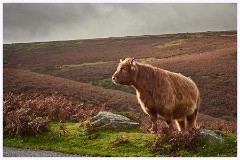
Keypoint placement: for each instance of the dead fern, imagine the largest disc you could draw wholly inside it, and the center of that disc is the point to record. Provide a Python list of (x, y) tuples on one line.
[(31, 113)]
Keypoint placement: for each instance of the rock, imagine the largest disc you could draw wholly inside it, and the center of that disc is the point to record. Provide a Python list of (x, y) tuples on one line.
[(211, 136), (113, 121)]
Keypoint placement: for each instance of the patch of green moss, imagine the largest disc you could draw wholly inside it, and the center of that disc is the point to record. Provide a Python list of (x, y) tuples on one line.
[(75, 142)]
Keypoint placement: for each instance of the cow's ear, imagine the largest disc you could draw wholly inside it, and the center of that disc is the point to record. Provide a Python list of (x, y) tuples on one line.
[(121, 60)]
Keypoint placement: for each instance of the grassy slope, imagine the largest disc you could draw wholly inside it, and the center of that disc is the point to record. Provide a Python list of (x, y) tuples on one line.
[(76, 141)]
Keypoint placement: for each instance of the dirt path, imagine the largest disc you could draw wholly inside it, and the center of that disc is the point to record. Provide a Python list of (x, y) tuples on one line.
[(20, 152)]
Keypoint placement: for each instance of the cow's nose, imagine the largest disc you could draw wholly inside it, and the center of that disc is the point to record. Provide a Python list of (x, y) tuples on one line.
[(113, 77)]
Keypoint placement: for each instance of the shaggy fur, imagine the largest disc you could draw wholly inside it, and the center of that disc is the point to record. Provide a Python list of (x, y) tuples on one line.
[(160, 92)]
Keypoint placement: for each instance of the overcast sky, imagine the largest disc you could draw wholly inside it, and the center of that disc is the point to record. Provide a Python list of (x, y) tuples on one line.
[(47, 22)]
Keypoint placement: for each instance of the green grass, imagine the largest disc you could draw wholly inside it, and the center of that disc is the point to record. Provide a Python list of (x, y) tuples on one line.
[(108, 84), (75, 142), (148, 59), (84, 64), (114, 143), (171, 43)]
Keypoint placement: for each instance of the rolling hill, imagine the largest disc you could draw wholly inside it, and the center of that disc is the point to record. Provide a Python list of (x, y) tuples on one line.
[(209, 58)]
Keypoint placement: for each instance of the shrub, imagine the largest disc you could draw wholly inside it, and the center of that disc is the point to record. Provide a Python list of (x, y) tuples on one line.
[(31, 113), (19, 119), (189, 140)]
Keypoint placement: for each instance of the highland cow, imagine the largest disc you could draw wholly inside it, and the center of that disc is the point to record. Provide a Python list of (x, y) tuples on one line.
[(161, 92)]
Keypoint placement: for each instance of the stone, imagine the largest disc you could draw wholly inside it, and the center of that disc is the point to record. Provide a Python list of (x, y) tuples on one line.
[(113, 121), (211, 136)]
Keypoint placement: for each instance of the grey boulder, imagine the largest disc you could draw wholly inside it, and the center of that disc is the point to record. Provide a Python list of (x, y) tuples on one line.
[(211, 136), (113, 121)]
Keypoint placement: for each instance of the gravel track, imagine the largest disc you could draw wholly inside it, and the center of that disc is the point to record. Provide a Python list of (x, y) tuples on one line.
[(21, 152)]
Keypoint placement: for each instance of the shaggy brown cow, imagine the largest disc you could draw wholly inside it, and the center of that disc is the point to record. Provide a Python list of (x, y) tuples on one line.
[(160, 92)]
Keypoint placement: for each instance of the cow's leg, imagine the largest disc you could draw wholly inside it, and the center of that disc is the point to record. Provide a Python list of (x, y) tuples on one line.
[(153, 118), (191, 119), (178, 125), (182, 124)]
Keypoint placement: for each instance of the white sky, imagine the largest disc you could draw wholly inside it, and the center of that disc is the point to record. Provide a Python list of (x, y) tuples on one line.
[(51, 21)]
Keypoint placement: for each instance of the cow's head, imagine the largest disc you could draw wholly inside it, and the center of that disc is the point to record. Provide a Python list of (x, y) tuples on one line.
[(126, 72)]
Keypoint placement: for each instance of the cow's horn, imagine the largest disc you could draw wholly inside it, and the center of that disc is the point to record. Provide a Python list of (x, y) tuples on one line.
[(133, 62)]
